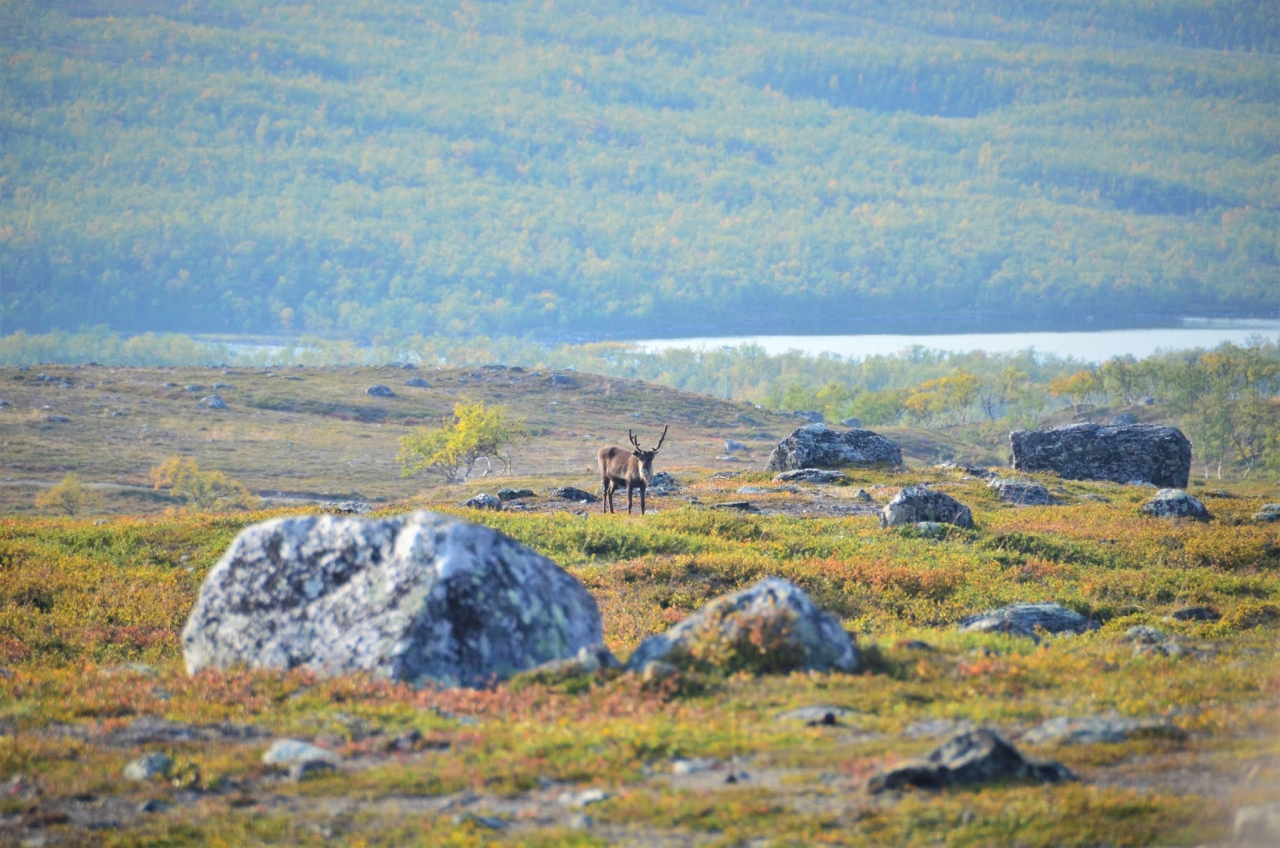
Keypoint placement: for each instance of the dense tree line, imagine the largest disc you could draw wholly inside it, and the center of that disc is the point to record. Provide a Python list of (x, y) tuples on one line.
[(372, 169)]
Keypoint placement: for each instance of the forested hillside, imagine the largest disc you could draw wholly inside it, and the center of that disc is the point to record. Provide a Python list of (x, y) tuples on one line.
[(367, 168)]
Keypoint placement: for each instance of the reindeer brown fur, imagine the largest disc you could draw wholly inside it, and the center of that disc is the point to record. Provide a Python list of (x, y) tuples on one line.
[(632, 469)]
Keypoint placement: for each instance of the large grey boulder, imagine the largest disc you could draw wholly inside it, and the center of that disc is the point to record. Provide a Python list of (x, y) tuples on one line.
[(1026, 619), (916, 504), (810, 639), (1130, 453), (818, 446), (419, 597), (1174, 503), (974, 757)]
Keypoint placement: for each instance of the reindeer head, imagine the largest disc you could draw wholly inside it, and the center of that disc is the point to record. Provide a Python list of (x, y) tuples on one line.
[(646, 456)]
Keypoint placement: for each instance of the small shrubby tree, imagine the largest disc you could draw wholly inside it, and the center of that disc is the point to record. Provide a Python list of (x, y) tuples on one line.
[(201, 489), (452, 450), (68, 497)]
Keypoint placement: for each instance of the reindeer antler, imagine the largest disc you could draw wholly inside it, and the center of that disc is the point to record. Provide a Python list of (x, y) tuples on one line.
[(634, 442), (664, 436)]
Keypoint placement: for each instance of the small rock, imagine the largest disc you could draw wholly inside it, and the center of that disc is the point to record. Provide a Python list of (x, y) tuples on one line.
[(57, 419), (1269, 512), (582, 799), (417, 383), (169, 385), (972, 470), (1174, 503), (484, 500), (1025, 619), (505, 495), (1094, 730), (287, 753), (213, 402), (937, 727), (740, 506), (817, 716), (380, 391), (811, 416), (487, 822), (1022, 492), (569, 493), (1194, 614), (725, 475), (726, 458), (851, 423), (733, 445), (1123, 419), (763, 490), (920, 503), (221, 386), (932, 529), (193, 388), (579, 821), (810, 475), (683, 768), (662, 483), (148, 767), (152, 805), (978, 756), (862, 495), (405, 742), (913, 645)]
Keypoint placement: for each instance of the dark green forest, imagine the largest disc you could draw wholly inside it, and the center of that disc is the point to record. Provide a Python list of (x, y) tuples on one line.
[(373, 168)]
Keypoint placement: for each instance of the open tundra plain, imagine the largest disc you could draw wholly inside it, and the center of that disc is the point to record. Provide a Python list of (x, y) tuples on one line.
[(1164, 714)]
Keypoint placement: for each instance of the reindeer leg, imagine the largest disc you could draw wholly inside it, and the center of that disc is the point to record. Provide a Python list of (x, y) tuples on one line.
[(628, 499), (642, 500)]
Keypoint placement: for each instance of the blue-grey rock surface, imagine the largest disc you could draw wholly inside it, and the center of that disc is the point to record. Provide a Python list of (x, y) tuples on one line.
[(420, 597), (824, 644), (1269, 512), (1174, 503), (1025, 619), (1093, 730), (1143, 453), (916, 504), (810, 475), (818, 446)]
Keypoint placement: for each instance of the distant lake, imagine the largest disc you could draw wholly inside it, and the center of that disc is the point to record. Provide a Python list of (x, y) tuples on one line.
[(1088, 346)]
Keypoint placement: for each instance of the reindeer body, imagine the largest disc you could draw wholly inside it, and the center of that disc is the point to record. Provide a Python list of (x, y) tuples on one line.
[(633, 469)]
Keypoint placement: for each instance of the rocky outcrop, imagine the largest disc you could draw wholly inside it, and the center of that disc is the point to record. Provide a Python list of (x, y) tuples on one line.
[(773, 621), (380, 391), (970, 758), (1022, 492), (916, 504), (818, 446), (1132, 453), (1174, 503), (1026, 619), (419, 598)]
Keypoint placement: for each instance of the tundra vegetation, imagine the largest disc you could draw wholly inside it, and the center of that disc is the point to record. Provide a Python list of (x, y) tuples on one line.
[(91, 609)]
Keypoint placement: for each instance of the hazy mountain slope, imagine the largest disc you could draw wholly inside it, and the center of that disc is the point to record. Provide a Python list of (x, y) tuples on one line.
[(632, 168)]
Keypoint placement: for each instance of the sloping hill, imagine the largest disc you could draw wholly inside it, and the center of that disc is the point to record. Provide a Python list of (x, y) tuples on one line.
[(633, 169)]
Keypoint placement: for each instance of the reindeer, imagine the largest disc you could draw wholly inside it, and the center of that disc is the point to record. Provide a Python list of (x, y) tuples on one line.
[(633, 470)]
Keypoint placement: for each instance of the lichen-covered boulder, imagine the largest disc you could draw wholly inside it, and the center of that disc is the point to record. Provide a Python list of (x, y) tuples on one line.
[(1174, 503), (484, 500), (916, 504), (1269, 512), (1131, 453), (419, 597), (818, 446), (772, 626)]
